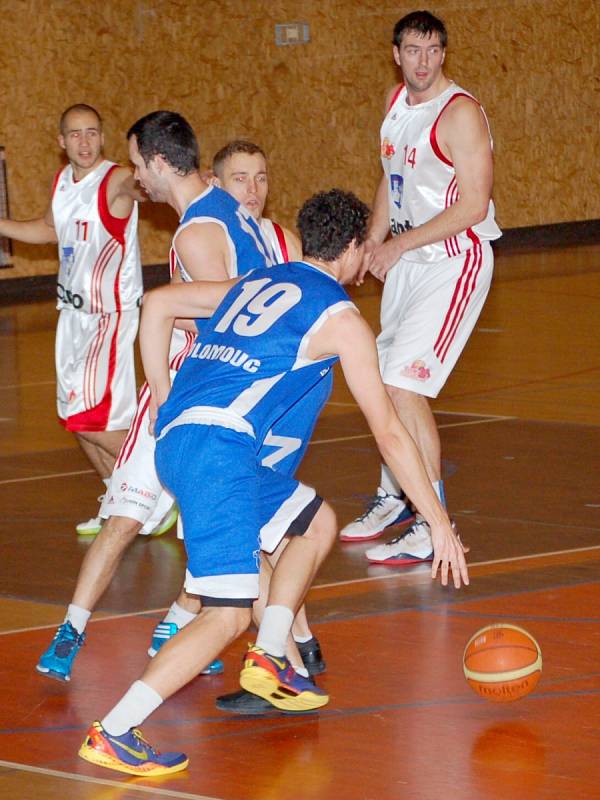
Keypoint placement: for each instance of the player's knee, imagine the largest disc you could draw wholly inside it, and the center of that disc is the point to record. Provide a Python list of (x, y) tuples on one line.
[(323, 528), (234, 620), (120, 529)]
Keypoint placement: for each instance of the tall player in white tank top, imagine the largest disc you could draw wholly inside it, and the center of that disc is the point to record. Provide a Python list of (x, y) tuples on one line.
[(92, 216), (435, 200)]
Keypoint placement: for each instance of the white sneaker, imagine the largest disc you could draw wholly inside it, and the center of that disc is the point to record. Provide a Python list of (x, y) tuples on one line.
[(413, 547), (383, 510), (92, 526)]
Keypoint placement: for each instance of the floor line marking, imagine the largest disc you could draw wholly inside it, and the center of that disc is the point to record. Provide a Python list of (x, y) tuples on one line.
[(423, 576), (26, 385), (158, 791), (482, 421), (472, 565), (48, 476)]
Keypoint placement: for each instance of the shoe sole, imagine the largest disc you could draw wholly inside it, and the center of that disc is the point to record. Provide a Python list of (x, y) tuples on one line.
[(50, 673), (255, 706), (88, 531), (377, 534), (166, 526), (148, 769), (263, 683), (400, 562)]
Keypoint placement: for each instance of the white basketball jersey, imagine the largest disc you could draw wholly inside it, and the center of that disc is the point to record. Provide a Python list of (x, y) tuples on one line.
[(421, 181), (100, 270), (273, 233)]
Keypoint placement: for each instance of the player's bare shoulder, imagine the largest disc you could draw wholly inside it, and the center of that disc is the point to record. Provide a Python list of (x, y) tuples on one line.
[(122, 192)]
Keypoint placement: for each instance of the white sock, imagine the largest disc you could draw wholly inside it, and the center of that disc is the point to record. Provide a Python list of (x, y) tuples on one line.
[(301, 671), (138, 702), (302, 639), (387, 482), (78, 617), (275, 629), (179, 616)]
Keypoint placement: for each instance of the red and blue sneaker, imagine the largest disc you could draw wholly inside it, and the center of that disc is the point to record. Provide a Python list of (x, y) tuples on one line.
[(129, 753), (274, 679)]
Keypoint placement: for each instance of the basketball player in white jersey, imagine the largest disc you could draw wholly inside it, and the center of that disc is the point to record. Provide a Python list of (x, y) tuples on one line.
[(164, 152), (92, 215), (435, 199)]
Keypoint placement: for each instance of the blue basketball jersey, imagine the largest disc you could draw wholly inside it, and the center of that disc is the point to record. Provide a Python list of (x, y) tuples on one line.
[(249, 366), (248, 248)]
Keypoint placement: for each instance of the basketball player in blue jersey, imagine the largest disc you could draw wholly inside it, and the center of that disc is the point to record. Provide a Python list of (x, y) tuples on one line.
[(217, 239), (240, 168), (276, 333)]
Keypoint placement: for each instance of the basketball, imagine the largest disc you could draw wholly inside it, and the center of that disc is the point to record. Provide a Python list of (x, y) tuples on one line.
[(502, 663)]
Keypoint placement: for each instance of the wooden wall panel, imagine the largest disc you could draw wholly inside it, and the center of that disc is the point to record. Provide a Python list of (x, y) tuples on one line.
[(316, 109)]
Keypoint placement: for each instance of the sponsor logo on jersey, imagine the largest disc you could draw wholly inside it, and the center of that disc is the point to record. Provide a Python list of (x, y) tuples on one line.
[(397, 188), (67, 296), (400, 227), (228, 355), (418, 370), (387, 148)]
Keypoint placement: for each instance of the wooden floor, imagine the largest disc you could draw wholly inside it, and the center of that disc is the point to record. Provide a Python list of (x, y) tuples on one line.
[(520, 423)]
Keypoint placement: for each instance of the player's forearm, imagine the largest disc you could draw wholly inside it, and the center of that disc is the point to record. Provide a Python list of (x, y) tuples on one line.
[(453, 220), (156, 327), (31, 231), (402, 457), (379, 224)]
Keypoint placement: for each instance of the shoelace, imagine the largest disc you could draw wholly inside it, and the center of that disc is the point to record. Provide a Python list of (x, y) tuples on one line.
[(68, 639), (375, 501), (139, 737), (412, 531)]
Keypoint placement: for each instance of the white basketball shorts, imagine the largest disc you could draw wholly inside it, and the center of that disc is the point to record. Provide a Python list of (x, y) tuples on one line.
[(428, 311), (95, 372)]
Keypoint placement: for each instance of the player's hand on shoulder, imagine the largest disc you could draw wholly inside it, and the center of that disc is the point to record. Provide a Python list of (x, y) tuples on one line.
[(448, 555)]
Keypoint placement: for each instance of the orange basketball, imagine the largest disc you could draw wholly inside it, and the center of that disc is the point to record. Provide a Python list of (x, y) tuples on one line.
[(502, 663)]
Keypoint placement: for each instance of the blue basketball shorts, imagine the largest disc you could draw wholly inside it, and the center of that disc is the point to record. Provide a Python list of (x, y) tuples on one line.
[(231, 507)]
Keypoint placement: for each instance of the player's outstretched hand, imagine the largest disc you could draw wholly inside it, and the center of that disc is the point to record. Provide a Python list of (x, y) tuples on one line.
[(449, 554)]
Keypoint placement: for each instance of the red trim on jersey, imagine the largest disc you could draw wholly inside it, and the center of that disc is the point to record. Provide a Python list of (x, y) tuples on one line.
[(465, 286), (114, 225), (433, 135), (96, 418), (394, 98), (55, 181), (98, 270), (281, 240), (452, 195)]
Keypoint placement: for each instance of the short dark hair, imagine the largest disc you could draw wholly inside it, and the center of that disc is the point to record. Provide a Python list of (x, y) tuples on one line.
[(329, 221), (236, 146), (167, 134), (422, 22), (77, 107)]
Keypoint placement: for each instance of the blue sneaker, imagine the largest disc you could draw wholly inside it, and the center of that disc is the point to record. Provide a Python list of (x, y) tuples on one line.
[(274, 679), (57, 661), (165, 631), (129, 753)]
